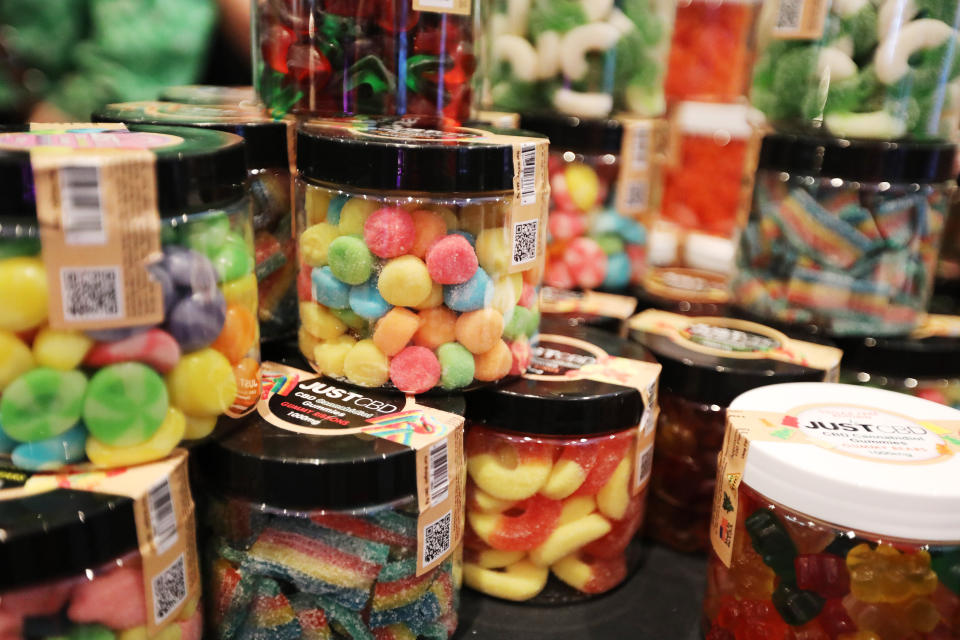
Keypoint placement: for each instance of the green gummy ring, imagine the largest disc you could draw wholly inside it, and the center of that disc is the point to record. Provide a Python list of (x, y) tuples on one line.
[(125, 404), (42, 403)]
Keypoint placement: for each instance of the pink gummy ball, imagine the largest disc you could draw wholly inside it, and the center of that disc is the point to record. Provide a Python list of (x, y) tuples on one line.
[(415, 370), (451, 260), (389, 232)]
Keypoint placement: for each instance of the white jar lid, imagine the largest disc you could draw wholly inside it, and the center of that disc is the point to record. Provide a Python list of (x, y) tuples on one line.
[(714, 119), (881, 466)]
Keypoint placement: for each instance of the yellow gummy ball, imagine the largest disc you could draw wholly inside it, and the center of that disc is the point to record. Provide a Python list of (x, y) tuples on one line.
[(505, 295), (366, 365), (329, 356), (63, 350), (15, 358), (435, 299), (448, 216), (355, 213), (582, 185), (405, 282), (319, 322), (161, 443), (23, 293), (306, 342), (315, 243), (477, 217), (493, 251), (199, 427), (242, 292), (202, 383), (316, 201)]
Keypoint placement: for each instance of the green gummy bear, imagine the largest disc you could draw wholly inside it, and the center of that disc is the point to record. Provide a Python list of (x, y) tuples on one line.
[(555, 15), (947, 567)]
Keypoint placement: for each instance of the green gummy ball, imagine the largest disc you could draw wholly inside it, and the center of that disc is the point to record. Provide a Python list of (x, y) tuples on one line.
[(456, 365), (207, 234), (17, 247), (42, 403), (125, 404), (233, 259), (518, 324), (533, 324), (351, 319), (350, 260), (610, 243), (91, 632)]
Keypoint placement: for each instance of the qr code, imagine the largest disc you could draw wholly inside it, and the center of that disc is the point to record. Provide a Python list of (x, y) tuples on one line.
[(638, 194), (169, 590), (91, 293), (436, 538), (644, 466), (525, 241), (790, 15)]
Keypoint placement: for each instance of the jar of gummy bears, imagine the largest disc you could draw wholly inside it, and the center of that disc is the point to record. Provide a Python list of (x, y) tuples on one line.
[(837, 517), (268, 171), (558, 464), (311, 518), (208, 94), (378, 57), (707, 362), (124, 330), (419, 264), (886, 70), (587, 59), (711, 54), (844, 234)]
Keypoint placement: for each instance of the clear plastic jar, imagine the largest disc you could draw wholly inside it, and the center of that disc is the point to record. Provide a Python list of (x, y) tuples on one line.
[(586, 60), (707, 362), (268, 171), (129, 394), (409, 271), (844, 235), (332, 57), (553, 505), (711, 55), (817, 542), (690, 292), (867, 70), (208, 94)]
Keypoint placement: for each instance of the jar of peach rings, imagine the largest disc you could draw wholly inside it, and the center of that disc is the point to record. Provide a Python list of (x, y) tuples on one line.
[(421, 251)]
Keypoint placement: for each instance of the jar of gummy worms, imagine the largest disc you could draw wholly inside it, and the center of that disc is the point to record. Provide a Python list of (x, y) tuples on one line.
[(378, 57), (690, 292), (311, 525), (837, 517), (208, 94), (118, 395), (712, 51), (419, 267), (844, 234), (885, 70), (707, 362), (588, 59), (558, 462), (268, 171)]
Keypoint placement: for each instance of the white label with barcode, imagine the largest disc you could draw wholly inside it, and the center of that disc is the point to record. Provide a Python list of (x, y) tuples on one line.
[(438, 472), (638, 193), (644, 466), (81, 206), (163, 516), (528, 174), (640, 148)]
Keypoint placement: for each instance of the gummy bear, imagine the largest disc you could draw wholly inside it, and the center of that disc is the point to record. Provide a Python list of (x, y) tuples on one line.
[(796, 606), (886, 575), (823, 573), (772, 542), (947, 567)]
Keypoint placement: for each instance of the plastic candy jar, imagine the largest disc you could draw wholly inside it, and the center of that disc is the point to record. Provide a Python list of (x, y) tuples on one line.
[(885, 70), (383, 57), (208, 94), (73, 566), (711, 55), (419, 266), (844, 234), (587, 59), (568, 309), (312, 521), (707, 362), (87, 373), (837, 517), (558, 462), (691, 292), (268, 171)]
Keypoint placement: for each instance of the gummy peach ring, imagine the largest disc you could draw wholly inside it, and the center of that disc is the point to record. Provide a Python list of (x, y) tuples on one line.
[(588, 574), (519, 581), (493, 558), (480, 500), (569, 537), (521, 527), (508, 469)]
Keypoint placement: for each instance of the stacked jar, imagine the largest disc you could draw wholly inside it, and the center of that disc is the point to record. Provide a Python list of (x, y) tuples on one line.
[(268, 172), (117, 353), (707, 362), (421, 252), (557, 466), (804, 545)]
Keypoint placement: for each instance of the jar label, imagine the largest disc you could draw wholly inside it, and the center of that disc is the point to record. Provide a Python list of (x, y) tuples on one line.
[(460, 7), (609, 305), (641, 161), (692, 285), (800, 19), (175, 112)]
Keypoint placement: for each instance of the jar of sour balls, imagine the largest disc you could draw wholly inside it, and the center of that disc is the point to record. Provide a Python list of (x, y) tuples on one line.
[(418, 265), (82, 376)]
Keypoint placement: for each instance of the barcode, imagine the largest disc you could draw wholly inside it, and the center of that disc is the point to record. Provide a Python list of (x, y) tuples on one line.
[(436, 538), (438, 473), (528, 174), (644, 466), (169, 590), (640, 148), (91, 293), (525, 241), (81, 207), (638, 193), (790, 15), (163, 517)]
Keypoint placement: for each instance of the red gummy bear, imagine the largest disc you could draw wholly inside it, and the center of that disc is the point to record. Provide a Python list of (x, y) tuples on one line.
[(823, 573)]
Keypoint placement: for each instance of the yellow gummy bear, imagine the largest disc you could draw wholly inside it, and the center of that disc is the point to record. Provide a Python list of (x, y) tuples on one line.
[(886, 575), (161, 443), (15, 358), (520, 581), (23, 293), (63, 350)]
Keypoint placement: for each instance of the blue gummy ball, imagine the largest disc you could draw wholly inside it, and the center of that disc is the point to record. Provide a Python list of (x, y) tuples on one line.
[(366, 301), (328, 290), (475, 293)]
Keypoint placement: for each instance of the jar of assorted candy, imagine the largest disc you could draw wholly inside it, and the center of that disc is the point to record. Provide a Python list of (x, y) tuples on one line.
[(844, 234), (311, 518), (705, 188), (419, 264), (268, 171), (391, 57), (691, 292), (114, 354), (711, 55), (208, 94), (558, 463), (707, 362), (586, 59), (838, 517), (860, 69)]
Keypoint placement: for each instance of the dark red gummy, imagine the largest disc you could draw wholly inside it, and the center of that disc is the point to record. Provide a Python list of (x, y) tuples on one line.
[(822, 573)]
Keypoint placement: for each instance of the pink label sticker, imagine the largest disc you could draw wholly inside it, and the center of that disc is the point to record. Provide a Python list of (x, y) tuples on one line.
[(87, 138)]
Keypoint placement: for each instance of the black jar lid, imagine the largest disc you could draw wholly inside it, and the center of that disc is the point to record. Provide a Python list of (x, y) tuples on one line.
[(930, 352), (209, 94), (858, 160), (570, 133), (405, 154), (266, 138), (196, 169), (538, 403), (62, 533), (713, 360)]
